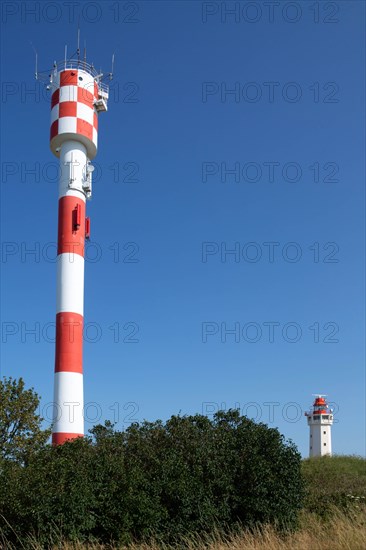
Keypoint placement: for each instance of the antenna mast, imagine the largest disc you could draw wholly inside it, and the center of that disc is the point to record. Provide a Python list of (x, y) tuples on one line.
[(111, 73), (36, 67), (78, 49)]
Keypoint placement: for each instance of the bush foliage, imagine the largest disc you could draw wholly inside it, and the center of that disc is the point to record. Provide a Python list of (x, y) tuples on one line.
[(190, 474), (21, 433)]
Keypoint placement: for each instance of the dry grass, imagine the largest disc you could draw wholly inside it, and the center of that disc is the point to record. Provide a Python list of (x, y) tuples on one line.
[(339, 532)]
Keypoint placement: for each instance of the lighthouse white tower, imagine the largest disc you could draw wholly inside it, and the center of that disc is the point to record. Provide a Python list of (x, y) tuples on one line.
[(320, 421), (78, 96)]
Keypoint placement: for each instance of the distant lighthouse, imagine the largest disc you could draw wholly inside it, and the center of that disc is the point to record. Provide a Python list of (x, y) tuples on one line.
[(320, 420)]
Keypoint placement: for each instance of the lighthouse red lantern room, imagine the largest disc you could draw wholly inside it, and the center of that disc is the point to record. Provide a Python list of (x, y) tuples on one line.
[(79, 95)]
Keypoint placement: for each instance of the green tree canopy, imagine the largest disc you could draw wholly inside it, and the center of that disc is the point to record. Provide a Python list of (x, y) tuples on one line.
[(21, 432)]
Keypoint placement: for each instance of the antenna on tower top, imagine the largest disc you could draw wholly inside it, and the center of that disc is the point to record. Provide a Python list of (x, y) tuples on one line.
[(111, 73), (78, 48), (84, 53), (65, 54), (36, 67)]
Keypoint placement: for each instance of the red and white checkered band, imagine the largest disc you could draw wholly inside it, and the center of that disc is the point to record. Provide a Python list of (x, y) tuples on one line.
[(73, 115)]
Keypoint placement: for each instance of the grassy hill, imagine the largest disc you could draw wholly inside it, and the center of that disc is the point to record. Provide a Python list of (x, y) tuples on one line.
[(334, 481)]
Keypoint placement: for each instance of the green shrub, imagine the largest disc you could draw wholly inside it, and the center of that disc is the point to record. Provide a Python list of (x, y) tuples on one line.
[(188, 475)]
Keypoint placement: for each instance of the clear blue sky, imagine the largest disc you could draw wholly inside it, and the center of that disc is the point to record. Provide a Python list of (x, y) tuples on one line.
[(170, 117)]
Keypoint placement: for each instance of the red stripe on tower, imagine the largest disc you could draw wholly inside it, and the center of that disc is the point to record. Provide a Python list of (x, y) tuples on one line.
[(61, 437), (67, 108), (68, 78), (69, 342), (70, 237)]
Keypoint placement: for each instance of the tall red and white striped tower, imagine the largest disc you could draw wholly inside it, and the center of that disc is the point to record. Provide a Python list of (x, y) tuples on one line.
[(78, 96)]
